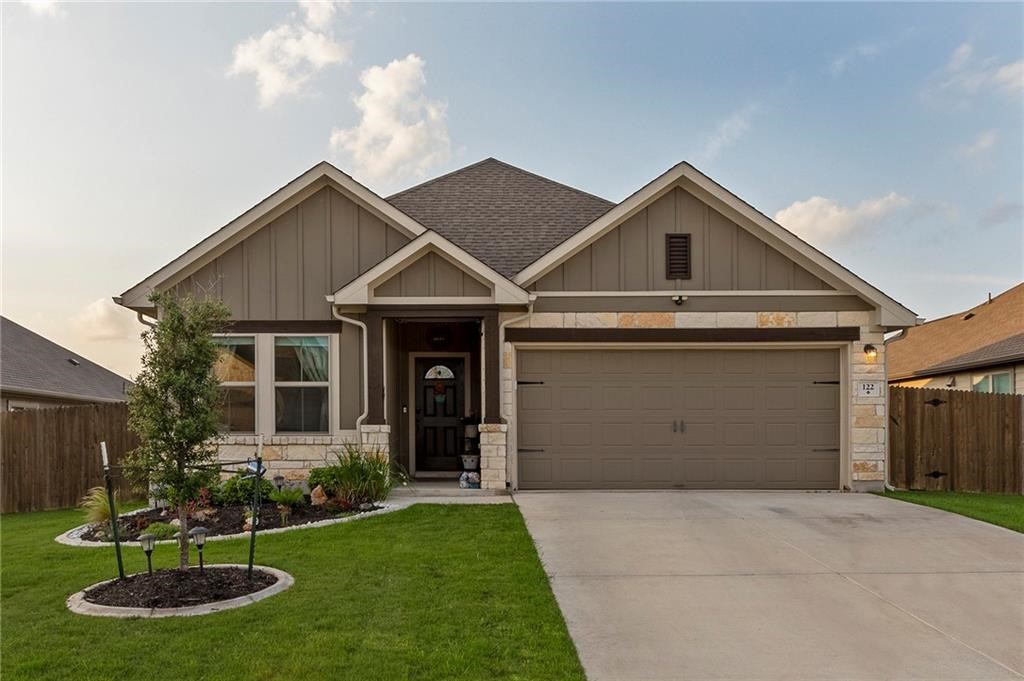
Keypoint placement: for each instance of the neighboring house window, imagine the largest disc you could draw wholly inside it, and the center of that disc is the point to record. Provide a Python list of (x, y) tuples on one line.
[(17, 405), (236, 369), (1000, 382), (301, 379), (677, 256)]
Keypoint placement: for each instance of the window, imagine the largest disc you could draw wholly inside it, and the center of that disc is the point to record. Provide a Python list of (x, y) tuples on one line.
[(301, 375), (235, 368), (438, 371), (1000, 382), (677, 256)]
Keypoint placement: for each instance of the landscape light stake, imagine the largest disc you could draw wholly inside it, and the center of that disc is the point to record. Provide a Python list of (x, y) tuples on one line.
[(198, 535), (109, 481), (147, 542), (257, 475)]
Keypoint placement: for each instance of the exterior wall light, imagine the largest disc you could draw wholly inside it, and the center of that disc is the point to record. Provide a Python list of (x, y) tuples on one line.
[(198, 535), (871, 352), (147, 542)]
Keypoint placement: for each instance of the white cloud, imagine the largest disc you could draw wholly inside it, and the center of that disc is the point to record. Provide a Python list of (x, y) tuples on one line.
[(102, 320), (44, 8), (727, 133), (320, 13), (984, 143), (865, 51), (401, 132), (1002, 212), (966, 75), (822, 221), (284, 58)]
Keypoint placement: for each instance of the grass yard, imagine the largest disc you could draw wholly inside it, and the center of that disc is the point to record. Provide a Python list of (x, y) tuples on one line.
[(429, 592), (1005, 510)]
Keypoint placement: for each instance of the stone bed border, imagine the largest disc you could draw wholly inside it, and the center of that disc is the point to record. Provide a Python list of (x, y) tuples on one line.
[(73, 536), (76, 602)]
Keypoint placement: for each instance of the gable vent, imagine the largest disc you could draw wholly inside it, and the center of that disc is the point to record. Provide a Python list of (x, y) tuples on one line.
[(677, 256)]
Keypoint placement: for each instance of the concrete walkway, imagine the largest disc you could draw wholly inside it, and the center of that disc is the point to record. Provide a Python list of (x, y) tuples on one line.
[(779, 585)]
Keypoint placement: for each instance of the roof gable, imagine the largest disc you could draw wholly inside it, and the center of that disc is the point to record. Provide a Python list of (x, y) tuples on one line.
[(33, 364), (987, 334), (362, 290), (775, 235), (287, 197), (507, 217)]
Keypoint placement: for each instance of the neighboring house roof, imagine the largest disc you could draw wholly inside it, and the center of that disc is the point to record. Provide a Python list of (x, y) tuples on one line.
[(31, 364), (505, 216), (989, 334)]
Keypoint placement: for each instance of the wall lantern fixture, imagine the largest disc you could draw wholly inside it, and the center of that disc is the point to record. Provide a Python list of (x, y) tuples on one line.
[(871, 352), (147, 542)]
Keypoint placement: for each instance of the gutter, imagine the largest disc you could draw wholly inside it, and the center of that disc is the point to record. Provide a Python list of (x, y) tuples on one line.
[(13, 390)]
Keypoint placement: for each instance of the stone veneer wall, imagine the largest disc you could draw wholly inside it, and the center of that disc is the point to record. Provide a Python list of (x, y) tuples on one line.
[(867, 427), (493, 459), (293, 455)]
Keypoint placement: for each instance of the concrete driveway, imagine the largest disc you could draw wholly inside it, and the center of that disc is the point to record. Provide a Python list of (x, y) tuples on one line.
[(767, 585)]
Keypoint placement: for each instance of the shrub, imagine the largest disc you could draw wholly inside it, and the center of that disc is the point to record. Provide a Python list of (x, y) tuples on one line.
[(96, 506), (358, 477), (288, 496), (238, 490), (161, 530)]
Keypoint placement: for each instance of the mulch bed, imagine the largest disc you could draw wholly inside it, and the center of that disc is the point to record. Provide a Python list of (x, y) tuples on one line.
[(177, 588), (224, 520)]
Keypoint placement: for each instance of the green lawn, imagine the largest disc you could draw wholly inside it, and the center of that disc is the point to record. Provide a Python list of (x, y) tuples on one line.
[(1005, 510), (430, 592)]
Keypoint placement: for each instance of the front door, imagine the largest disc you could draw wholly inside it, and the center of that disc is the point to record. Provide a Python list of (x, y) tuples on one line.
[(440, 406)]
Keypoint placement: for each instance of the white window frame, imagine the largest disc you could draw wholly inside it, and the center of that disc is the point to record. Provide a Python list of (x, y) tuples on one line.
[(990, 375), (333, 406), (254, 384)]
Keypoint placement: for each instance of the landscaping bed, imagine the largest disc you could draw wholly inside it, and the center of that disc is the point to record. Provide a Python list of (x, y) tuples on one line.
[(178, 588), (221, 520)]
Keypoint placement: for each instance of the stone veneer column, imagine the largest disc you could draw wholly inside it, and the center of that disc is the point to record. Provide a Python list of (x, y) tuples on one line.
[(868, 415), (493, 458)]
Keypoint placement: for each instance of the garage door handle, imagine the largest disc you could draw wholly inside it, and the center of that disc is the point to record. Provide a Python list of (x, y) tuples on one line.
[(832, 449), (521, 450), (675, 427), (682, 426)]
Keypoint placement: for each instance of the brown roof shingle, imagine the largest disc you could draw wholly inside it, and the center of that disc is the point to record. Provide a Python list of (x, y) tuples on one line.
[(988, 334), (504, 215)]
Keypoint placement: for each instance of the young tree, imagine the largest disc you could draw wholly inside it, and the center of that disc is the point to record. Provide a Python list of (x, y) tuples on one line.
[(175, 403)]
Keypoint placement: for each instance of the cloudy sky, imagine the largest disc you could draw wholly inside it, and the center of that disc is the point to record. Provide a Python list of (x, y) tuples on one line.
[(889, 135)]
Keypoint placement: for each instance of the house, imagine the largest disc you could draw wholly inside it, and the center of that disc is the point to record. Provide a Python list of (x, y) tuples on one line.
[(981, 349), (676, 339), (36, 372)]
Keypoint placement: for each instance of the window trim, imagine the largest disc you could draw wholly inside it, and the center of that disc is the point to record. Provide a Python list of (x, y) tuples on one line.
[(274, 383), (254, 383), (990, 375)]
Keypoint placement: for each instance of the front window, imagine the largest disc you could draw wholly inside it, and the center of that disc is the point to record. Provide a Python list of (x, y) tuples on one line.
[(301, 376), (992, 383), (235, 368)]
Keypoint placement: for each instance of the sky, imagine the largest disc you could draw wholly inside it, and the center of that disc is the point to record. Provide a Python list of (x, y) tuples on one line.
[(891, 136)]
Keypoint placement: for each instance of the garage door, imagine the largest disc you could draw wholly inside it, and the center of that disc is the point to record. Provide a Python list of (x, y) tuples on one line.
[(700, 419)]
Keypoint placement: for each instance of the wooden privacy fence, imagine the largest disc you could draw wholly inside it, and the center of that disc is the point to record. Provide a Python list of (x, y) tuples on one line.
[(956, 440), (50, 457)]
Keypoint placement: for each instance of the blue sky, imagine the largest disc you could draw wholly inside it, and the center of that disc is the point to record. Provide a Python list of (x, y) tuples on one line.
[(889, 135)]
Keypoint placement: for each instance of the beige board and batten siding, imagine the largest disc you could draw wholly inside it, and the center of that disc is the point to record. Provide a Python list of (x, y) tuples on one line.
[(631, 257), (283, 270), (432, 275)]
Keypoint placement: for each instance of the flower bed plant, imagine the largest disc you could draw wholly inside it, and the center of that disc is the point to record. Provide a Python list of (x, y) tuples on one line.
[(360, 478)]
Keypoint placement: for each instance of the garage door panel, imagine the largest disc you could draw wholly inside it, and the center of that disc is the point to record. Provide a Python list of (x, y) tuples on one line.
[(752, 419)]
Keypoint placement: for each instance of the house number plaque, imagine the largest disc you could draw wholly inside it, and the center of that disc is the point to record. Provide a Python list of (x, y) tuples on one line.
[(869, 388)]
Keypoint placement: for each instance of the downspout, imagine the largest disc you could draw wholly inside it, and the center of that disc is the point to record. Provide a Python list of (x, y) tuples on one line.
[(143, 321), (364, 378), (501, 341)]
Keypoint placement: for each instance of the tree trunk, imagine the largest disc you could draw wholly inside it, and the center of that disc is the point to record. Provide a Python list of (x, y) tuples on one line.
[(183, 539)]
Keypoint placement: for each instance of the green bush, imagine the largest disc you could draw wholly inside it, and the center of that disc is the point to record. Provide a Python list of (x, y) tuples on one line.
[(358, 477), (238, 490), (288, 496), (161, 530)]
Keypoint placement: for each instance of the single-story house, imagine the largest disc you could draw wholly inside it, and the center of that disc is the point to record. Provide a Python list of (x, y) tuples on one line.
[(980, 349), (36, 372), (676, 339)]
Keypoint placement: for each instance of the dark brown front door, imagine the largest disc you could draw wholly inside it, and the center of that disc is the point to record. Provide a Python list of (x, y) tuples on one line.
[(440, 406)]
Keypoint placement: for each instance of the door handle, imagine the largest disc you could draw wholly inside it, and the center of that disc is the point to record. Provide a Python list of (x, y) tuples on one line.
[(682, 426), (675, 426)]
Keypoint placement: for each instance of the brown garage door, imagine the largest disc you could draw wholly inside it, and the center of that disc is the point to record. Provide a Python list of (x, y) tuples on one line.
[(711, 419)]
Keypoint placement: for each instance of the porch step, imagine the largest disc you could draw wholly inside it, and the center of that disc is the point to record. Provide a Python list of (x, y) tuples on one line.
[(441, 488)]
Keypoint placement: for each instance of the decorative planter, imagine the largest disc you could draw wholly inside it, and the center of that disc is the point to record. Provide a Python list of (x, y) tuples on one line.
[(470, 462)]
